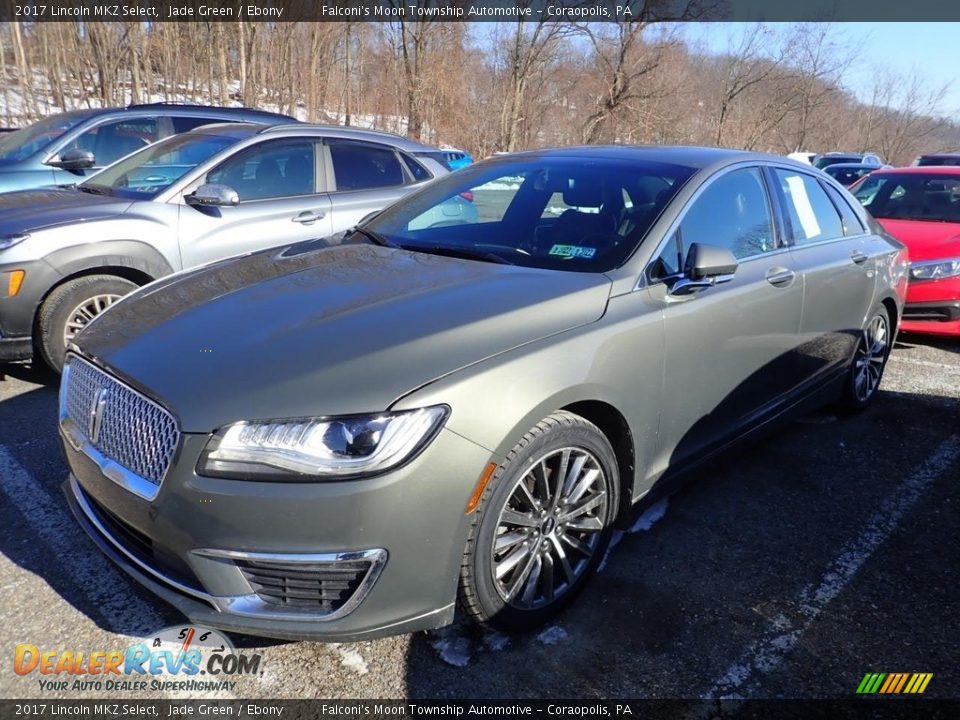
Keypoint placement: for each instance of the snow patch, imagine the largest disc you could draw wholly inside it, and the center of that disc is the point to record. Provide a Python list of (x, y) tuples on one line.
[(495, 641), (646, 521), (351, 659), (453, 647), (650, 516), (552, 635)]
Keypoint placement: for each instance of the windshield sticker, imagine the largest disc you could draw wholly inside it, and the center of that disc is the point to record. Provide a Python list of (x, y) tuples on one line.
[(573, 251)]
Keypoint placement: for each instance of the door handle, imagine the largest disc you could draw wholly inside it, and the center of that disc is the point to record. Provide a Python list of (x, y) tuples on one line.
[(308, 216), (780, 276), (858, 257)]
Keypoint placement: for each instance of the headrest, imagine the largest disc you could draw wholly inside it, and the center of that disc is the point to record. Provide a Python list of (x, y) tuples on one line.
[(583, 192)]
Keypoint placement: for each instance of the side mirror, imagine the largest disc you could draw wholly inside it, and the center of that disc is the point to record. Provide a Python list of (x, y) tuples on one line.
[(706, 266), (75, 159), (213, 195), (709, 261)]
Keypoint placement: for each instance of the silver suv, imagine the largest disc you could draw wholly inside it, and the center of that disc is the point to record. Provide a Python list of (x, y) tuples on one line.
[(68, 253)]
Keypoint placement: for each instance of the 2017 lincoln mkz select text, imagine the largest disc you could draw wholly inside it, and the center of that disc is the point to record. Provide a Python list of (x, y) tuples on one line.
[(341, 438)]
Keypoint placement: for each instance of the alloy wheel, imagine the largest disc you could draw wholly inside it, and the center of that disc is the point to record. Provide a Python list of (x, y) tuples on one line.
[(549, 528), (870, 359), (86, 311)]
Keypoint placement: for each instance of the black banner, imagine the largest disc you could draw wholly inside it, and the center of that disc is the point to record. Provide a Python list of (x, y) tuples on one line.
[(899, 708), (532, 11)]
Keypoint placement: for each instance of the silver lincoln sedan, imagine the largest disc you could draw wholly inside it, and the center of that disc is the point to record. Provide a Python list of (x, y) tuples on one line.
[(339, 440)]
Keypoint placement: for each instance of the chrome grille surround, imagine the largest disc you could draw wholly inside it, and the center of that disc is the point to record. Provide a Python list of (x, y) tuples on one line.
[(131, 438)]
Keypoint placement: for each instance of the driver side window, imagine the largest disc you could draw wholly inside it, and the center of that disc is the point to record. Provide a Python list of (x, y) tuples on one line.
[(732, 213), (278, 169), (111, 141)]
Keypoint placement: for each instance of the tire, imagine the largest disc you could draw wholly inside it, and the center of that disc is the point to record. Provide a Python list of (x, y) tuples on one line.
[(533, 584), (73, 304), (869, 361)]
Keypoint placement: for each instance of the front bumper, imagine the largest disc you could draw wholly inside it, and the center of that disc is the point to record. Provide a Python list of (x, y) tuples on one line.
[(17, 312), (199, 532), (933, 307), (15, 348)]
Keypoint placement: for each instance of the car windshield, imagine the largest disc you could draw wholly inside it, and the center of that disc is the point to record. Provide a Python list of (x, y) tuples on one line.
[(574, 213), (21, 144), (846, 175), (827, 160), (147, 173), (911, 196)]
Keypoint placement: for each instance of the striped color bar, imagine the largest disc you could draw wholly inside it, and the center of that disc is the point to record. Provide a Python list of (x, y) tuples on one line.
[(894, 683)]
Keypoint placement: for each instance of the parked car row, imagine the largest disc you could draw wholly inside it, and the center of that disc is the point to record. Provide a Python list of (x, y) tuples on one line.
[(216, 190), (407, 388), (920, 206), (67, 147)]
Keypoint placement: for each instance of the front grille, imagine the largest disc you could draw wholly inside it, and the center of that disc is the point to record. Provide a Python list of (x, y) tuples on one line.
[(131, 430), (320, 586)]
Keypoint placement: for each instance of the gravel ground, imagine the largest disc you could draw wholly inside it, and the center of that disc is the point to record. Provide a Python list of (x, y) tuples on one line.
[(790, 569)]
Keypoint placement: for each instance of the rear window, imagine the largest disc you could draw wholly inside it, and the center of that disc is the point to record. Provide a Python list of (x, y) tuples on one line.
[(418, 171), (441, 157), (847, 176), (364, 166), (938, 160), (827, 160)]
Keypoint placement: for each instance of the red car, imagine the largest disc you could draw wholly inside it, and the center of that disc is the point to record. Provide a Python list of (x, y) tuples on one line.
[(920, 207)]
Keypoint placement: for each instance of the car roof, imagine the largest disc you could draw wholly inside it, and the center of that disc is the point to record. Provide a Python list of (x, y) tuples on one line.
[(922, 170), (941, 155), (241, 130), (238, 130), (690, 156), (350, 133), (169, 108)]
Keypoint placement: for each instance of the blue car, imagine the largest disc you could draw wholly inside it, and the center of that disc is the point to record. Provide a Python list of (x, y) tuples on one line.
[(66, 148), (457, 159), (451, 158)]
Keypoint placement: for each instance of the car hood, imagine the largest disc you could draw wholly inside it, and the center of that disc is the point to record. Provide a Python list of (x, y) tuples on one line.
[(339, 330), (32, 210), (925, 240)]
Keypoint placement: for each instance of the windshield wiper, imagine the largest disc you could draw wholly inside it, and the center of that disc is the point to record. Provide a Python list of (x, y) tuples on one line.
[(374, 237), (457, 252), (93, 189)]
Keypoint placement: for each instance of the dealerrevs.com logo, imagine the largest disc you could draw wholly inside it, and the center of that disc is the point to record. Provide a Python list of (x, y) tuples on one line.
[(188, 657)]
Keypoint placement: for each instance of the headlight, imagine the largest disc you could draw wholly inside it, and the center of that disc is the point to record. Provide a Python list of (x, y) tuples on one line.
[(8, 241), (935, 270), (319, 448)]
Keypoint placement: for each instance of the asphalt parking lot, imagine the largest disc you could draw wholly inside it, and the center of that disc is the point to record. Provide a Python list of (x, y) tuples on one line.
[(791, 569)]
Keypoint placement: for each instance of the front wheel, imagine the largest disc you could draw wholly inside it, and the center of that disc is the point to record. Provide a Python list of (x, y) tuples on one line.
[(542, 525), (869, 361), (70, 307)]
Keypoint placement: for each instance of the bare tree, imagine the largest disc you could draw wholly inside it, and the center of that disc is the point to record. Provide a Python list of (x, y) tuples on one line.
[(622, 60), (525, 52), (903, 114), (749, 62)]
